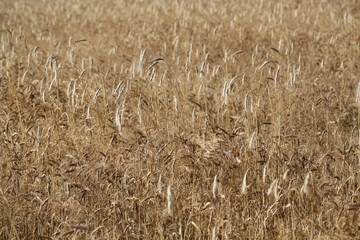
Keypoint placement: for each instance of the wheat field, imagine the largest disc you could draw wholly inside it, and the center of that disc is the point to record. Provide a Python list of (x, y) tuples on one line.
[(179, 119)]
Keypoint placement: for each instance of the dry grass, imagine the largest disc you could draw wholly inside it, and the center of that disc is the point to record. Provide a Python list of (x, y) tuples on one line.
[(179, 119)]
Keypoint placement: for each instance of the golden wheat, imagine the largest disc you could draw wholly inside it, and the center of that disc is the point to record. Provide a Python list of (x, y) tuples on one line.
[(179, 119)]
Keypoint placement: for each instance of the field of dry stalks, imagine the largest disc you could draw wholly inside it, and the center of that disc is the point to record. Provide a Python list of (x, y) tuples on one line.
[(179, 119)]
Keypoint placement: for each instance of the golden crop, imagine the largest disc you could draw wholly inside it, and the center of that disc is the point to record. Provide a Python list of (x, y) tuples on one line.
[(179, 119)]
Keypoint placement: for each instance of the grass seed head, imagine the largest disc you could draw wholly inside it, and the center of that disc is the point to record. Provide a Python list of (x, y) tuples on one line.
[(215, 187), (244, 184), (169, 199)]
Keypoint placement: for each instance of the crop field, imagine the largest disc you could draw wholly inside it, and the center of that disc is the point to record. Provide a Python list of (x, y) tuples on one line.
[(171, 119)]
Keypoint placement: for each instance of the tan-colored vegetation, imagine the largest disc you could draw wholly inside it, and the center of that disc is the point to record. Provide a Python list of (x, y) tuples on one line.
[(179, 119)]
